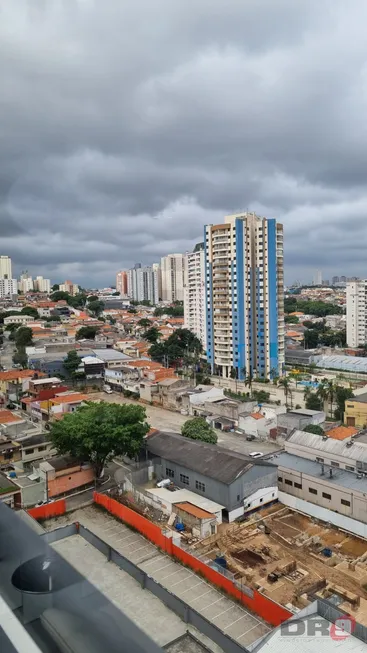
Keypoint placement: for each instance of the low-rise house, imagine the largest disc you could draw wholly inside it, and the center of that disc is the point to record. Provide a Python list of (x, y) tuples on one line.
[(36, 447), (21, 319), (356, 411), (9, 492), (63, 474), (298, 419), (111, 357), (13, 383), (258, 425), (194, 400), (118, 377), (10, 452), (223, 476), (93, 367), (36, 386), (55, 408), (170, 391), (200, 522)]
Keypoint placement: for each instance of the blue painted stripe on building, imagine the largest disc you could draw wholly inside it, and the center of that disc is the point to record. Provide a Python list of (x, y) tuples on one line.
[(273, 295), (240, 350)]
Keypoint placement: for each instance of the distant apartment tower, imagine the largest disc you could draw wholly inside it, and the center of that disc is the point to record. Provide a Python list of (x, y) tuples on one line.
[(245, 296), (42, 285), (8, 288), (317, 280), (69, 287), (121, 282), (335, 280), (173, 277), (357, 313), (194, 295), (5, 267), (25, 283), (143, 284)]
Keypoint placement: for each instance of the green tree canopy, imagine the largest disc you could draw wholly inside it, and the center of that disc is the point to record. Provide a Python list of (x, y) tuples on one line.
[(152, 335), (181, 343), (341, 395), (87, 333), (99, 431), (23, 337), (313, 401), (72, 362), (55, 287), (92, 298), (20, 357), (59, 295), (291, 319), (318, 308), (30, 310), (199, 429), (314, 428), (144, 322), (96, 307)]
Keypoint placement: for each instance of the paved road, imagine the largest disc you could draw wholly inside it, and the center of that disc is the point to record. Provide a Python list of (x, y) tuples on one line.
[(167, 420), (6, 356)]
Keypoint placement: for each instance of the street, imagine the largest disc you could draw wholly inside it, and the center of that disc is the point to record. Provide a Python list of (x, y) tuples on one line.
[(167, 420), (6, 355)]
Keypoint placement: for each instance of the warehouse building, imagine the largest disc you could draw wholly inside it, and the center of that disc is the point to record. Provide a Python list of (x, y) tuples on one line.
[(330, 474), (228, 478)]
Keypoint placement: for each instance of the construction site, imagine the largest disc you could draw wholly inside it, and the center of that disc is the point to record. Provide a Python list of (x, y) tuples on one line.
[(292, 559)]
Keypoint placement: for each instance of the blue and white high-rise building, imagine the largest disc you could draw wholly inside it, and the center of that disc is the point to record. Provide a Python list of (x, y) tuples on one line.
[(244, 289)]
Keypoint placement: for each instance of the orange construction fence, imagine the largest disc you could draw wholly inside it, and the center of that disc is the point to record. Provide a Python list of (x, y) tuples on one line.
[(261, 605), (49, 510)]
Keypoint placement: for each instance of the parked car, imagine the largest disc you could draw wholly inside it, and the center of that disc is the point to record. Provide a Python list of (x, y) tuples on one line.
[(250, 438), (256, 454), (107, 389)]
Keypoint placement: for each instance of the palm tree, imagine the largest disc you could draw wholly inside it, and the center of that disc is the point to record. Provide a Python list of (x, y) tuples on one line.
[(285, 382), (234, 376), (248, 378), (323, 393)]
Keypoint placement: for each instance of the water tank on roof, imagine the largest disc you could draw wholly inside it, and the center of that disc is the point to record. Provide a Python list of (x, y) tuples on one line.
[(12, 475)]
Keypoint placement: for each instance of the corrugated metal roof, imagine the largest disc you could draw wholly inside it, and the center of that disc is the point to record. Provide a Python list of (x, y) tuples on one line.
[(194, 510), (329, 446), (339, 476)]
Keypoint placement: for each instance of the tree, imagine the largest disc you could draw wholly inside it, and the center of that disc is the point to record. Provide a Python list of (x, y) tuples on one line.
[(96, 307), (286, 384), (132, 310), (52, 318), (30, 310), (20, 357), (55, 287), (180, 344), (248, 378), (234, 376), (144, 322), (341, 396), (87, 333), (314, 428), (311, 337), (99, 431), (72, 362), (92, 298), (199, 429), (152, 335), (313, 402), (291, 319), (60, 295), (23, 337), (116, 294)]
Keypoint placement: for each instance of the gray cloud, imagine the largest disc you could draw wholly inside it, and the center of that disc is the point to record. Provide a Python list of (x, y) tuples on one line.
[(125, 127)]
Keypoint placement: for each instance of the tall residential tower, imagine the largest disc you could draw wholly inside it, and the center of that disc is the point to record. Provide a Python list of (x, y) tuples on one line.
[(173, 277), (357, 313), (245, 296), (194, 294)]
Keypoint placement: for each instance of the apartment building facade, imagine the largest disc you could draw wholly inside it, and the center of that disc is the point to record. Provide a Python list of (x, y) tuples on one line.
[(194, 295), (173, 277), (143, 283), (121, 282), (8, 287), (244, 293), (5, 267), (356, 303)]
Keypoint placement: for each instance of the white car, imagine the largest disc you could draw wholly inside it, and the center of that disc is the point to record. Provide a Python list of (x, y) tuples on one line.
[(256, 454)]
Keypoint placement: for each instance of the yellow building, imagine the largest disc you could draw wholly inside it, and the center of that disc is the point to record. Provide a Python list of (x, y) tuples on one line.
[(356, 411)]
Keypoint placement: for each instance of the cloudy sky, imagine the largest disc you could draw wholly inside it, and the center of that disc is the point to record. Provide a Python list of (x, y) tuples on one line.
[(125, 126)]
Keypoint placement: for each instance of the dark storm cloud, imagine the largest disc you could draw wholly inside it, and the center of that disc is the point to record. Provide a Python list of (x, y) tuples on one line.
[(125, 127)]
